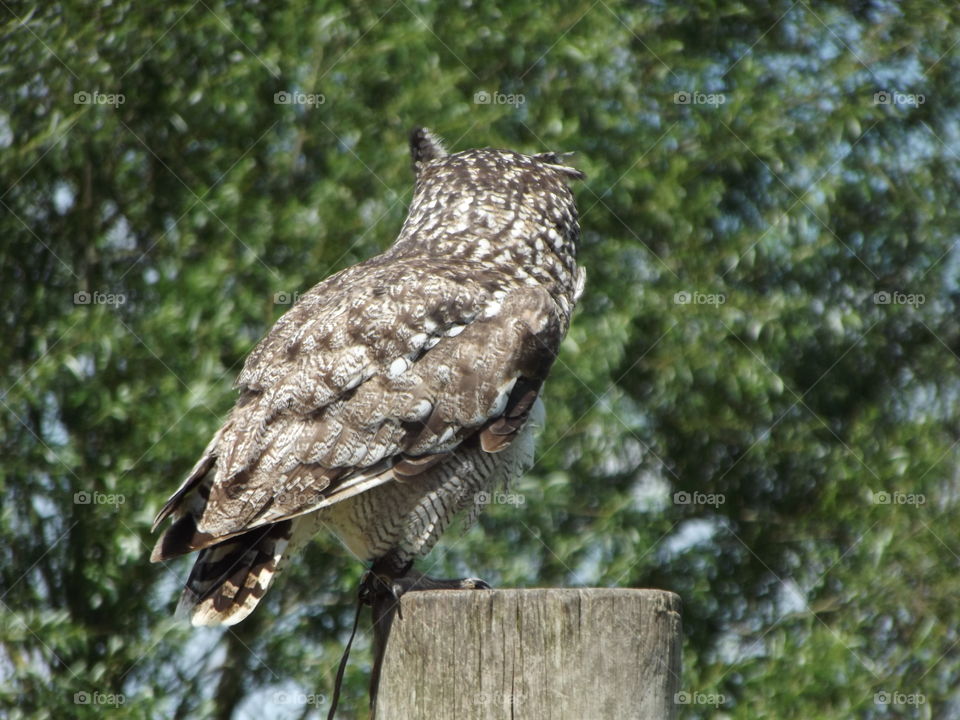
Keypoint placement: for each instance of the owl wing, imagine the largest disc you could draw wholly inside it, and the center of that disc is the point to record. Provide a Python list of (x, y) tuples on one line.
[(376, 374)]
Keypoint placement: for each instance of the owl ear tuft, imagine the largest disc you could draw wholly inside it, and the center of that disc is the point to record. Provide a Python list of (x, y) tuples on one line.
[(557, 160), (424, 147)]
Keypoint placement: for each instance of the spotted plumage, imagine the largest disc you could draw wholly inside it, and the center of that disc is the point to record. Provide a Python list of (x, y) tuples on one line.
[(394, 391)]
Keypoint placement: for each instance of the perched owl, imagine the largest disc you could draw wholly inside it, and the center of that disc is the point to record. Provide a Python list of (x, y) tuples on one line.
[(395, 392)]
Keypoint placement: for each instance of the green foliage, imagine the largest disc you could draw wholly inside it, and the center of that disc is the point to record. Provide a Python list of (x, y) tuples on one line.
[(770, 322)]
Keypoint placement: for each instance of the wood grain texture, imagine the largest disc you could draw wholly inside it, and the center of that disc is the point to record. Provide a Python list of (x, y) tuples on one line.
[(533, 655)]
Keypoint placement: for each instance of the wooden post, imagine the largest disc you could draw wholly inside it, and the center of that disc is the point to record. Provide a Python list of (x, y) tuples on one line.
[(532, 655)]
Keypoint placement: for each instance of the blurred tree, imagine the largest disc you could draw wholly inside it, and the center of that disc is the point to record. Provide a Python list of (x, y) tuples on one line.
[(756, 407)]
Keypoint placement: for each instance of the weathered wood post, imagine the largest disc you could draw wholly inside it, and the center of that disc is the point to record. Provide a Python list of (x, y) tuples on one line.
[(533, 654)]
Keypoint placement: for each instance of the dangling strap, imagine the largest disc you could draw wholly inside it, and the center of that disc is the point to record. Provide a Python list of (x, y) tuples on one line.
[(343, 664)]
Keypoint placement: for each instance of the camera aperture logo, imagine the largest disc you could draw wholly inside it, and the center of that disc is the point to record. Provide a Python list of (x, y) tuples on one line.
[(895, 697), (285, 298), (488, 699), (485, 497), (95, 697), (301, 699), (686, 297), (895, 297), (294, 498), (482, 97), (311, 100), (86, 497), (98, 98), (682, 497), (685, 697), (686, 97), (886, 97), (895, 497), (86, 297)]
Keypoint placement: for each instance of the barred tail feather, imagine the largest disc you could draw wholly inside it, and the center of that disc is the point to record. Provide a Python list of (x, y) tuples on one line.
[(229, 579)]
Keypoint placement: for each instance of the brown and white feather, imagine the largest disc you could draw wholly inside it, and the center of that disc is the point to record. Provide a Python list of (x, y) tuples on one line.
[(395, 390)]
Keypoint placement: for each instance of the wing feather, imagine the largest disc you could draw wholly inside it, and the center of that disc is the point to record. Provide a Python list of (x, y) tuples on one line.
[(334, 402)]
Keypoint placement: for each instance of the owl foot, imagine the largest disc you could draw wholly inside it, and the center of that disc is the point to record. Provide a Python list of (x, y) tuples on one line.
[(378, 586), (382, 587)]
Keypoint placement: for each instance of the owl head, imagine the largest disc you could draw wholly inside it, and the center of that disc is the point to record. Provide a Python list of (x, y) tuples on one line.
[(426, 147), (498, 210)]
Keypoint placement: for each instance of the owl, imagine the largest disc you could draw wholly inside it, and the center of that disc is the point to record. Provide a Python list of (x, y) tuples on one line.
[(395, 393)]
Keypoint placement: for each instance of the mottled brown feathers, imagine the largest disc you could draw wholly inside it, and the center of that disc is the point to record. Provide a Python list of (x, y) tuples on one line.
[(395, 390)]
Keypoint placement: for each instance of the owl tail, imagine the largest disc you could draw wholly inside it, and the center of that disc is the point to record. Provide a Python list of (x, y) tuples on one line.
[(230, 578)]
